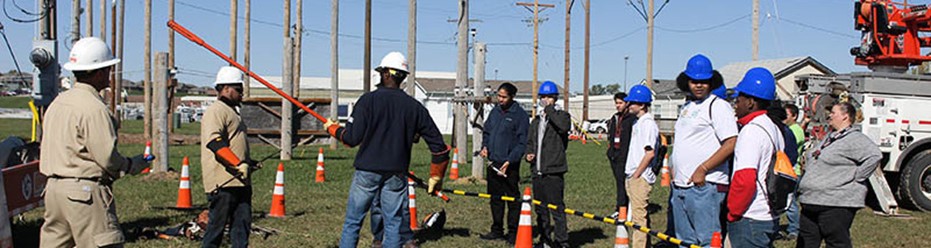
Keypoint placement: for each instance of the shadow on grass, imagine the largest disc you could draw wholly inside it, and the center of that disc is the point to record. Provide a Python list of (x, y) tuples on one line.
[(653, 208), (133, 228), (26, 233), (427, 236), (585, 236)]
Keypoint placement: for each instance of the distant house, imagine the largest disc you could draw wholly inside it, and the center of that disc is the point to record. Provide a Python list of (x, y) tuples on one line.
[(784, 71)]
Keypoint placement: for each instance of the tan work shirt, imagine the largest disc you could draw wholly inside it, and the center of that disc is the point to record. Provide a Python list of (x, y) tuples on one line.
[(221, 120), (79, 137)]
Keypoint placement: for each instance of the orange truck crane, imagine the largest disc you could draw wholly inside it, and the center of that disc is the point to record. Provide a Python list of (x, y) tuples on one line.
[(890, 33)]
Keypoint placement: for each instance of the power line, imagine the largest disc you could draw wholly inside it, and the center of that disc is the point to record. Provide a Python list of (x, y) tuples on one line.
[(39, 17), (8, 47), (712, 27), (817, 28)]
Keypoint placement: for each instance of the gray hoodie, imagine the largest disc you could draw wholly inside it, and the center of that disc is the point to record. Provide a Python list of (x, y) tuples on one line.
[(837, 175)]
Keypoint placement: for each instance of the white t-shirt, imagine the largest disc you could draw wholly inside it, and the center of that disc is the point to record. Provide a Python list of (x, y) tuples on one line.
[(642, 135), (698, 137), (754, 150)]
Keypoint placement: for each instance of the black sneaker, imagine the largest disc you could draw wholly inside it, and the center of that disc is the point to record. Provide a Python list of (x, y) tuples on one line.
[(511, 238), (492, 236)]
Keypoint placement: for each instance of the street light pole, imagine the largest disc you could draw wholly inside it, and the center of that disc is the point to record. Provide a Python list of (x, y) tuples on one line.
[(625, 72)]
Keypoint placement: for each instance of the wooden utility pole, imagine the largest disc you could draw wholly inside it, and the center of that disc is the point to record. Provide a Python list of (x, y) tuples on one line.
[(367, 58), (566, 76), (147, 83), (75, 21), (119, 51), (234, 12), (334, 66), (461, 114), (298, 34), (247, 54), (650, 22), (161, 120), (411, 46), (756, 30), (588, 38), (115, 92), (103, 20), (536, 43), (478, 163), (286, 84), (171, 35), (89, 18)]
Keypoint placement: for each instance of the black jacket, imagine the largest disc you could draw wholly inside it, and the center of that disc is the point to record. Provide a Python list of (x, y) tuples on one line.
[(626, 125), (505, 134), (552, 154), (383, 125)]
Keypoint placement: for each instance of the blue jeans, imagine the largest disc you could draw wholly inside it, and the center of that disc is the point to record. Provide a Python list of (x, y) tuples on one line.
[(792, 215), (752, 233), (392, 187), (376, 221), (697, 212)]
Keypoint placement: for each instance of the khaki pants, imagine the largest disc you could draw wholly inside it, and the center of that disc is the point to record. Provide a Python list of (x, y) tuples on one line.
[(79, 213), (638, 190)]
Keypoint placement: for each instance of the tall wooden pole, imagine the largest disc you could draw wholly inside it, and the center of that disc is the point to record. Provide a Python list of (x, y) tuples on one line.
[(367, 58), (298, 34), (588, 38), (119, 51), (103, 19), (161, 99), (286, 84), (756, 30), (536, 45), (234, 12), (147, 83), (247, 54), (171, 35), (461, 115), (566, 74), (650, 24), (75, 21), (411, 46), (89, 18), (115, 92), (478, 163), (334, 66)]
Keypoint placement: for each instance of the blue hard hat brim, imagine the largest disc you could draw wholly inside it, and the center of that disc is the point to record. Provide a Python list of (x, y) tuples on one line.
[(738, 92), (682, 81)]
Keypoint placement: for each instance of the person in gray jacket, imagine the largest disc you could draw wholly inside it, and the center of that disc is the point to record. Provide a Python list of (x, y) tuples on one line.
[(546, 152), (834, 185)]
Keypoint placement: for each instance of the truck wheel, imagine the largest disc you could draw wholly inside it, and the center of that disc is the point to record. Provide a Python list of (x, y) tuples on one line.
[(915, 182), (601, 130)]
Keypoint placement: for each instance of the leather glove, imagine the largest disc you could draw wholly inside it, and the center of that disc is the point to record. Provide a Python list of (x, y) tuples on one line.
[(331, 127), (243, 170), (434, 184), (137, 164)]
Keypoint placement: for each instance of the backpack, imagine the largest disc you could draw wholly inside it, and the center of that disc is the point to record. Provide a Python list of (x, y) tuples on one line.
[(780, 180), (659, 153)]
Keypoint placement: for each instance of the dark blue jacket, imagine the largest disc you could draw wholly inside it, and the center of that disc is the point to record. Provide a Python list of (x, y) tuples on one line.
[(505, 134), (383, 124)]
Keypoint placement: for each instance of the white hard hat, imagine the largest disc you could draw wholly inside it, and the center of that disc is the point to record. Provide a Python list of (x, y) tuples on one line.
[(394, 60), (90, 53), (228, 75)]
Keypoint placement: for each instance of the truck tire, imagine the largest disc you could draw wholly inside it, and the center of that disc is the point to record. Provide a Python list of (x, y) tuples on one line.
[(915, 183), (601, 130)]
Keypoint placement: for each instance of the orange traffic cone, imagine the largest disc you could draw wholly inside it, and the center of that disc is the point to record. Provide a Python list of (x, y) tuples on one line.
[(184, 189), (412, 201), (716, 240), (665, 181), (621, 239), (321, 174), (524, 228), (584, 139), (278, 195), (146, 154), (454, 172)]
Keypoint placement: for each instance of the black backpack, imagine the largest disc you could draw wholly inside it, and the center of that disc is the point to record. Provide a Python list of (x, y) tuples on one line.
[(659, 153), (778, 184)]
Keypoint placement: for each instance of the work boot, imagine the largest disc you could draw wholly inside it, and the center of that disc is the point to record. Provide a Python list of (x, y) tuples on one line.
[(410, 244), (511, 238), (492, 236), (376, 243)]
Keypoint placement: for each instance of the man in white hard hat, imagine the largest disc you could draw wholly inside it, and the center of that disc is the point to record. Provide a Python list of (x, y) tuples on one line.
[(225, 161), (383, 124), (80, 158)]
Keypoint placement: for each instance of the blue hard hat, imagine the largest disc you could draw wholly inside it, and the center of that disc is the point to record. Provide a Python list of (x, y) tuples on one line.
[(548, 88), (720, 92), (639, 94), (699, 68), (758, 82)]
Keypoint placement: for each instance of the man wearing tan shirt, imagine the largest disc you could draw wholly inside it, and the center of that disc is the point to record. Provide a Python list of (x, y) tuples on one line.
[(80, 158), (224, 158)]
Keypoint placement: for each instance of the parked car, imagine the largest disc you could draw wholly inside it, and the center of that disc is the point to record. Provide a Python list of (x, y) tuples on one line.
[(598, 126)]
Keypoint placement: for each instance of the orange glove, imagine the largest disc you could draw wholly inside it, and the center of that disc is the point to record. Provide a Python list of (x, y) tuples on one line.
[(332, 127), (438, 170)]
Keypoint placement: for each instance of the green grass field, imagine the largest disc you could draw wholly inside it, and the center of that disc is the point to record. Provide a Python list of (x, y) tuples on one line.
[(316, 210), (15, 102)]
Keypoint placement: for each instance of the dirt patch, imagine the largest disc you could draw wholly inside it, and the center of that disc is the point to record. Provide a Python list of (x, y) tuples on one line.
[(467, 181), (161, 176), (175, 139)]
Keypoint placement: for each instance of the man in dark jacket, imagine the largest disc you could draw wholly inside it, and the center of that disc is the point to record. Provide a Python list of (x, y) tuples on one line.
[(619, 127), (504, 142), (546, 152)]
